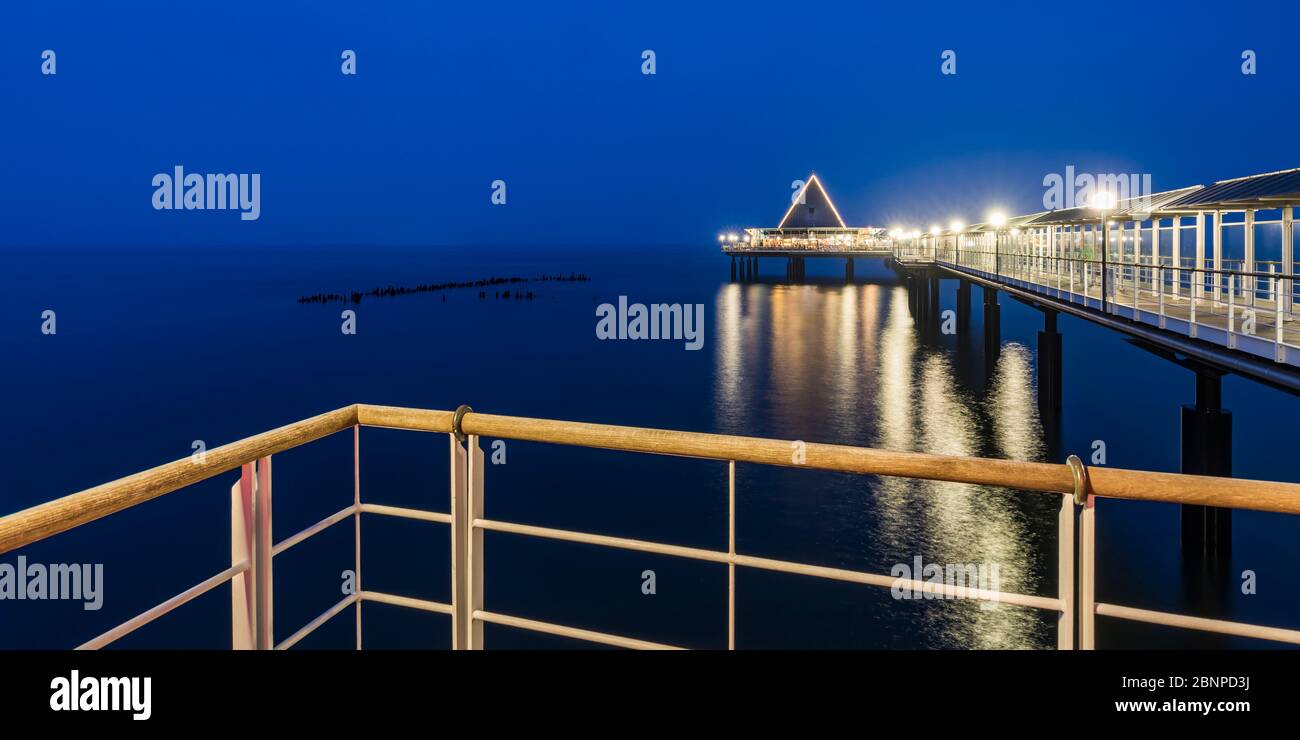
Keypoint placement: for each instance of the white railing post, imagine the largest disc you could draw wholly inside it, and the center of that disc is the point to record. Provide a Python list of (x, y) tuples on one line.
[(262, 553), (474, 557), (1197, 278), (241, 551), (251, 604), (1087, 574), (1065, 574), (1279, 350), (731, 551), (460, 620), (1160, 272), (356, 521), (1232, 319)]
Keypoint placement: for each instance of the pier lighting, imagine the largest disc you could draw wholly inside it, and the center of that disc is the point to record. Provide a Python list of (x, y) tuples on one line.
[(935, 230), (998, 219), (1015, 232), (956, 226), (732, 238), (1104, 201), (722, 238), (746, 238)]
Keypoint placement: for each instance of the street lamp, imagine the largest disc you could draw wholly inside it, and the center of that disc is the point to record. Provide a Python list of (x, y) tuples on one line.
[(998, 219), (1103, 202), (956, 227)]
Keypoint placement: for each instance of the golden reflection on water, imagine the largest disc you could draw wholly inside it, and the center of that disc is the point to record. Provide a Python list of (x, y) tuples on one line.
[(846, 364)]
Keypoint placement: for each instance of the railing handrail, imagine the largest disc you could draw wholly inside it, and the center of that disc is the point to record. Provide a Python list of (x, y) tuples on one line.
[(53, 517), (1119, 261)]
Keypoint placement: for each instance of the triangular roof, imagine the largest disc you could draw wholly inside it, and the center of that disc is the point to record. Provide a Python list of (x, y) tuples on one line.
[(811, 209)]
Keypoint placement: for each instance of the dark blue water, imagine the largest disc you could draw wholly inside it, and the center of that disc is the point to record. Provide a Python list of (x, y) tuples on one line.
[(158, 348)]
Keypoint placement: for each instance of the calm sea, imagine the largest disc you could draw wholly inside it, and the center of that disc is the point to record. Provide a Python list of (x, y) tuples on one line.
[(157, 349)]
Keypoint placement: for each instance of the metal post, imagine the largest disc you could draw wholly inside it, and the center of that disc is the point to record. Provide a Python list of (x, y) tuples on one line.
[(1249, 240), (250, 540), (1087, 574), (731, 552), (242, 592), (356, 519), (1232, 319), (1288, 255), (1155, 253), (1177, 252), (1218, 254), (1105, 244), (1065, 574), (474, 557), (1279, 349), (460, 606), (262, 544), (1162, 296), (1191, 323), (1198, 290)]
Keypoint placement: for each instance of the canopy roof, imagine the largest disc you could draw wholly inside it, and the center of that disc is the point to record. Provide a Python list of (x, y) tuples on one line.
[(1137, 207), (1268, 190), (811, 208)]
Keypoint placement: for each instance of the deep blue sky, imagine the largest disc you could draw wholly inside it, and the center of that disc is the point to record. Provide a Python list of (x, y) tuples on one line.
[(550, 98)]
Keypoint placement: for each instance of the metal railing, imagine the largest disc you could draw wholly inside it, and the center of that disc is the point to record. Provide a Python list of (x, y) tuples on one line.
[(1248, 311), (253, 553)]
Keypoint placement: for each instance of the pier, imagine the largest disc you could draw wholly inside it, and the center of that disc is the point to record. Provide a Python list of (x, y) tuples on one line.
[(1156, 268)]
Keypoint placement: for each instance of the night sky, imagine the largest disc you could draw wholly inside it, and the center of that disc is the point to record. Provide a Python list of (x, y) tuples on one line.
[(550, 98)]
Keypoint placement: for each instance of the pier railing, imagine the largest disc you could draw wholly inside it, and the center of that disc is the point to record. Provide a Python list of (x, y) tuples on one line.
[(1250, 311), (253, 549)]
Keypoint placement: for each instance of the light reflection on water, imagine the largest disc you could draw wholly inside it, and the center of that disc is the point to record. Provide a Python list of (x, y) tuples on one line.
[(846, 364)]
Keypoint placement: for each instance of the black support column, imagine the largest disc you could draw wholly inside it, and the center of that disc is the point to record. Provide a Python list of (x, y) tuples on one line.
[(1049, 383), (992, 328), (1207, 450), (963, 307)]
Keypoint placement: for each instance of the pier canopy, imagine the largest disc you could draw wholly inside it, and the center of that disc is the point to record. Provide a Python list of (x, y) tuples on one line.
[(811, 208), (1136, 208), (1263, 192), (811, 223)]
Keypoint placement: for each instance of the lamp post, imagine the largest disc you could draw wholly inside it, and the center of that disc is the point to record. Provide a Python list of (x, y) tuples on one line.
[(998, 219), (956, 227), (1104, 202)]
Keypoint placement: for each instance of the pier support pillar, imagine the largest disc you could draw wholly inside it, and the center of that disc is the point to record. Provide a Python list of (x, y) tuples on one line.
[(733, 268), (963, 307), (1207, 450), (1050, 382), (992, 328), (848, 270), (754, 265)]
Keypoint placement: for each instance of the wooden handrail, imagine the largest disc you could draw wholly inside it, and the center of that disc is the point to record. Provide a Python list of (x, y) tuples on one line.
[(1137, 485), (61, 514), (51, 518)]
